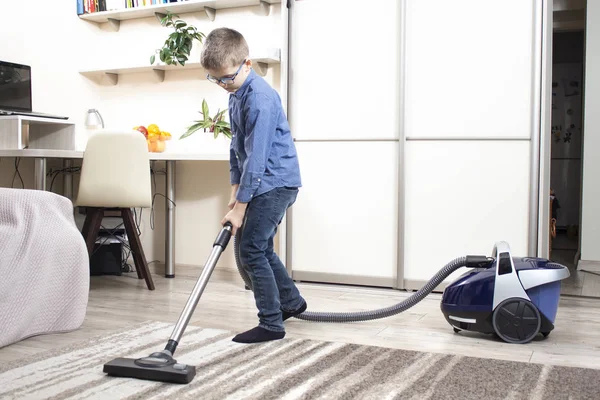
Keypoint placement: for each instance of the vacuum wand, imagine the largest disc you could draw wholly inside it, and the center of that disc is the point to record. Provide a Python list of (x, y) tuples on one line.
[(160, 365), (220, 244)]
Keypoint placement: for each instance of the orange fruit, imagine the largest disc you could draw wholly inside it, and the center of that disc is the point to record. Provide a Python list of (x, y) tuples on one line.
[(165, 135), (153, 129)]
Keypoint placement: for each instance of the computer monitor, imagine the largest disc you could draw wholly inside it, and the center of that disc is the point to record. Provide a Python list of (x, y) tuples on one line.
[(15, 87)]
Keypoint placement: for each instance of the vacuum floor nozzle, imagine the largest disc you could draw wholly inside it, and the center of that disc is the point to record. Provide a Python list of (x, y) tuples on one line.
[(129, 368)]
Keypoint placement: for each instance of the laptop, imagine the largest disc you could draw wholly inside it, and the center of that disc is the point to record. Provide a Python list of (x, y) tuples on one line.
[(15, 91)]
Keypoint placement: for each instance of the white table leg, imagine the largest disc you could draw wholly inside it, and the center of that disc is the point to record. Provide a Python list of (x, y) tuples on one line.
[(170, 221), (40, 174), (67, 179)]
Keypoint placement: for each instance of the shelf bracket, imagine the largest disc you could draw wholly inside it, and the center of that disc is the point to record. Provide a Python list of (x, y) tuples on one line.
[(113, 24), (159, 16), (112, 79), (159, 74), (265, 8), (211, 13), (261, 68)]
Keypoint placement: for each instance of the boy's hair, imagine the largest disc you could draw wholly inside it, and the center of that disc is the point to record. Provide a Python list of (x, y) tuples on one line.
[(223, 48)]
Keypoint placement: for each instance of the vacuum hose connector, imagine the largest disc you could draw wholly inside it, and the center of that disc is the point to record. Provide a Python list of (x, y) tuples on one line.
[(438, 278)]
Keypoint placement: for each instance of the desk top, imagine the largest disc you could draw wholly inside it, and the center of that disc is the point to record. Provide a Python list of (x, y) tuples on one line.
[(166, 156), (38, 120)]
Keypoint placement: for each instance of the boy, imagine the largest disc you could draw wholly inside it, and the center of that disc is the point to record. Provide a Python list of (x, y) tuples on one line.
[(265, 179)]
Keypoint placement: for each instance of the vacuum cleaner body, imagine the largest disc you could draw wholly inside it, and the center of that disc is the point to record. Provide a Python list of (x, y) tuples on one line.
[(515, 298)]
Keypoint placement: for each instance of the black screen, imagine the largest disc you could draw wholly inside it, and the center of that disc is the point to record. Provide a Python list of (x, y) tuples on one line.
[(15, 87)]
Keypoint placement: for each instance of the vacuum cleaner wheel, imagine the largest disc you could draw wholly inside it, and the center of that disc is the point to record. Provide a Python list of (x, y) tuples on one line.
[(516, 320)]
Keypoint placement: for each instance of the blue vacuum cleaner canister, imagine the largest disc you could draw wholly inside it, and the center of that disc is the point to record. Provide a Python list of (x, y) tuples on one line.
[(514, 297)]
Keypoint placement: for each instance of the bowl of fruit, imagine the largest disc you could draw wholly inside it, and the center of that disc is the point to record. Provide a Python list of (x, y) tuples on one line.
[(156, 139)]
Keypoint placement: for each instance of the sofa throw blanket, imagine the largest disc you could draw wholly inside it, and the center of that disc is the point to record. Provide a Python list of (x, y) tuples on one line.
[(44, 265)]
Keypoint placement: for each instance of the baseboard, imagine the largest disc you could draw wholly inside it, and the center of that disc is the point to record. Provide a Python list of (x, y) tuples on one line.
[(361, 280), (588, 266), (417, 284), (190, 270)]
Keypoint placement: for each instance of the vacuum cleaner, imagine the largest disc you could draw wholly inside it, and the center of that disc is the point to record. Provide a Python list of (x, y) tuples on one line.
[(515, 298)]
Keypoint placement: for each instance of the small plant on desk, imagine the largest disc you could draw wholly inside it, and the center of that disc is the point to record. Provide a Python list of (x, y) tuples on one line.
[(216, 124), (178, 45)]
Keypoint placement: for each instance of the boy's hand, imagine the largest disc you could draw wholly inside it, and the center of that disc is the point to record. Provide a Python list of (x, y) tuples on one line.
[(235, 216)]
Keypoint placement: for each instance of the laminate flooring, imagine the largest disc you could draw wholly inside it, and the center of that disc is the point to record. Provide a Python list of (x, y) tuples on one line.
[(580, 283), (119, 302)]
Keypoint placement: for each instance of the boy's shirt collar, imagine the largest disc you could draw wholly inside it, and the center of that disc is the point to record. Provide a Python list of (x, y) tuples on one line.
[(240, 92)]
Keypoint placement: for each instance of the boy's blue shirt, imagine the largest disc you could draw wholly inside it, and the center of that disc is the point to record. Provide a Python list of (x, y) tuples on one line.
[(262, 152)]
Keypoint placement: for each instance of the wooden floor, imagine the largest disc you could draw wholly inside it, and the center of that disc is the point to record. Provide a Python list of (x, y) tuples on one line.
[(580, 283), (117, 302)]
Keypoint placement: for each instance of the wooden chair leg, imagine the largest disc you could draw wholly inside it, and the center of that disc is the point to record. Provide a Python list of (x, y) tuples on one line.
[(91, 227), (139, 258)]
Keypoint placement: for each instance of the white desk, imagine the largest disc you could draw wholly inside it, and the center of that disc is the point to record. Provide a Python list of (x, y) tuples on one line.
[(40, 156)]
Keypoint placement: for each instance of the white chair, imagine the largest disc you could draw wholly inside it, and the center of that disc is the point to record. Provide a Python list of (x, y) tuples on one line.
[(115, 174), (44, 265)]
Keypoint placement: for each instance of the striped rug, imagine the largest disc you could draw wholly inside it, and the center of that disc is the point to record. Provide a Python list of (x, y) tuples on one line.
[(285, 369)]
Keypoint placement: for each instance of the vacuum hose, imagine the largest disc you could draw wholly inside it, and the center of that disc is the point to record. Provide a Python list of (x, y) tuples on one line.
[(467, 261)]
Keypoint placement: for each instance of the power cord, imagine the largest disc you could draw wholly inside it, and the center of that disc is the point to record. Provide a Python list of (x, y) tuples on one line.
[(155, 193), (54, 173), (17, 173)]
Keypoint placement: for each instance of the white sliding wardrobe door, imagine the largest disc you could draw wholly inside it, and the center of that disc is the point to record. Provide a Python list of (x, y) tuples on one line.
[(462, 197), (346, 217), (344, 112), (472, 112), (345, 69), (469, 68)]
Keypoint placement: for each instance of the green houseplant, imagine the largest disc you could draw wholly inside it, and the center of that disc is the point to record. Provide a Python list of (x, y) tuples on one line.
[(178, 45), (217, 124), (175, 51)]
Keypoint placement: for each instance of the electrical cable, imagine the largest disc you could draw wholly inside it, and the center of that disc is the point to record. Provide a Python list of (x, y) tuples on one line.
[(55, 172), (155, 193), (17, 173)]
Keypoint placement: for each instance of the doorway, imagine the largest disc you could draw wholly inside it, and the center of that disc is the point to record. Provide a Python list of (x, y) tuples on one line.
[(566, 155)]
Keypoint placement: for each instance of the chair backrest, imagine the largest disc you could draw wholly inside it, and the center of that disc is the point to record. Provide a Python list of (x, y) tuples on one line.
[(115, 171)]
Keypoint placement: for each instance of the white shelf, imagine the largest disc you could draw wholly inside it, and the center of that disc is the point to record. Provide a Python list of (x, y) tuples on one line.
[(260, 61), (208, 6)]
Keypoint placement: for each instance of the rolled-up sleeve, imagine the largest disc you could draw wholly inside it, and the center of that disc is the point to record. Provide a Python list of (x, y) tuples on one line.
[(260, 120)]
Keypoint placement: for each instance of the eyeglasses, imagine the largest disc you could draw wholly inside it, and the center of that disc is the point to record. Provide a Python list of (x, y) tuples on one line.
[(227, 80)]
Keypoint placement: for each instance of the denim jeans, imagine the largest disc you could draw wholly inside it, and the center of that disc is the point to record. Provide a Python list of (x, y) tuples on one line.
[(273, 288)]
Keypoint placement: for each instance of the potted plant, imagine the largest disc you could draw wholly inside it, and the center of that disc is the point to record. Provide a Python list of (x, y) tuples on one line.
[(217, 124), (175, 51), (178, 45)]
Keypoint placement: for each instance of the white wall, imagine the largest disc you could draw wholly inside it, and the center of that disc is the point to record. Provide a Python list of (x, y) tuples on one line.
[(50, 37), (39, 37), (590, 218)]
